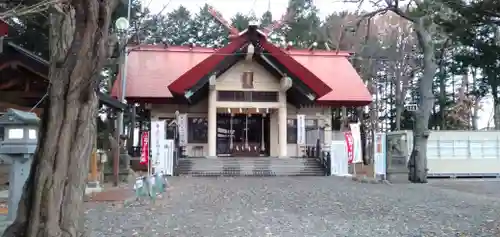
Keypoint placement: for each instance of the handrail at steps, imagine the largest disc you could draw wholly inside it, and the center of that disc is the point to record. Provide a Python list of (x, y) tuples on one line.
[(321, 154)]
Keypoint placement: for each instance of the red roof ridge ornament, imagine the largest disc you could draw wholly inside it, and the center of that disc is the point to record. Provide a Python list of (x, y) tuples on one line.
[(277, 24), (234, 33), (4, 30)]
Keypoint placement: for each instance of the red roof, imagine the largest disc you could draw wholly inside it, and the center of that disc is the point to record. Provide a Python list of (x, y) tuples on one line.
[(190, 77), (154, 71), (151, 69), (338, 73), (310, 79)]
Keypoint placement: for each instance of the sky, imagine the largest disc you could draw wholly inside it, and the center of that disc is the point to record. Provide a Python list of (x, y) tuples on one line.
[(229, 8)]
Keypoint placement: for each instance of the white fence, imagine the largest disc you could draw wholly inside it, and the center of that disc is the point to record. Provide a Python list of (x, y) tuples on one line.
[(462, 153), (449, 154)]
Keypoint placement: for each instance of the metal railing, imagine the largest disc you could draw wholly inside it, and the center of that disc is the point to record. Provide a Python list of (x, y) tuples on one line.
[(326, 161), (320, 153)]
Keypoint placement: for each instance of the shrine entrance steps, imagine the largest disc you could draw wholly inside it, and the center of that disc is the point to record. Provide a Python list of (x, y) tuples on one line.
[(250, 166)]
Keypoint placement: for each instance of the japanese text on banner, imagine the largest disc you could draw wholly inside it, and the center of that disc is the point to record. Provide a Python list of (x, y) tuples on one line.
[(144, 147), (349, 141)]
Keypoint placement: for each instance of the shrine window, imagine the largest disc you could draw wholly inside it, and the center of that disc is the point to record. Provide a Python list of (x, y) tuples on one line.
[(291, 131), (248, 96), (197, 130)]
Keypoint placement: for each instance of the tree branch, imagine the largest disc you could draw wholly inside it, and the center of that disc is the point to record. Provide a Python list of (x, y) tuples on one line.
[(22, 10), (370, 15), (393, 6)]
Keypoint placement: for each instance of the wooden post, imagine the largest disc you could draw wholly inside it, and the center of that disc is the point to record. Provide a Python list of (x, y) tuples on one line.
[(116, 159), (93, 167)]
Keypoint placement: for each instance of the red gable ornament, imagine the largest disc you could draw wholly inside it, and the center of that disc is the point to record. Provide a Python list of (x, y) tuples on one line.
[(4, 28)]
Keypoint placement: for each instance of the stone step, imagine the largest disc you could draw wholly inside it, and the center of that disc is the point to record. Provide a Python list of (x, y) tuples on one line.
[(243, 165), (247, 162), (261, 174), (258, 166), (281, 169)]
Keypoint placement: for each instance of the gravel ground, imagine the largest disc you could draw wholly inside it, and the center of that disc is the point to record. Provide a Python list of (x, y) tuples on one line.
[(305, 206), (485, 187)]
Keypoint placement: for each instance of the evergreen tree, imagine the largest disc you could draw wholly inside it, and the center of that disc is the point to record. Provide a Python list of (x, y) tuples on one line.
[(207, 31), (475, 26), (151, 30), (266, 19), (240, 21), (302, 28), (177, 26)]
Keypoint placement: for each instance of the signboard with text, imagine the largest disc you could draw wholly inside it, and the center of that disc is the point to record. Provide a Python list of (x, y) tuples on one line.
[(301, 129), (144, 147), (380, 154)]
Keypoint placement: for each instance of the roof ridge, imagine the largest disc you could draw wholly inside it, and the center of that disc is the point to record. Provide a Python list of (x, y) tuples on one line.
[(198, 49)]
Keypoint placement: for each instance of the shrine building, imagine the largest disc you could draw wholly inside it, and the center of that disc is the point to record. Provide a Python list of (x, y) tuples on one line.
[(249, 98)]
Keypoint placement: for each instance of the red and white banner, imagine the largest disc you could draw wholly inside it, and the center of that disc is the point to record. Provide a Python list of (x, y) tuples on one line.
[(144, 147), (349, 141), (357, 145)]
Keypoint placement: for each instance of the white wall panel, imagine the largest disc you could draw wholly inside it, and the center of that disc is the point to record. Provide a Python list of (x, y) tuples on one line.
[(462, 153)]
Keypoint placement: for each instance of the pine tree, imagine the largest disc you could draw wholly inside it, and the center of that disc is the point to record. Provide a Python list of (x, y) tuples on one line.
[(302, 29), (151, 30), (240, 21), (178, 26), (266, 19), (207, 31)]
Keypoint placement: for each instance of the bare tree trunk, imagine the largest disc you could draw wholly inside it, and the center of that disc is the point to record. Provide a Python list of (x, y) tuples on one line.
[(399, 101), (375, 109), (496, 107), (476, 101), (52, 200), (496, 112), (464, 110), (442, 85), (418, 158)]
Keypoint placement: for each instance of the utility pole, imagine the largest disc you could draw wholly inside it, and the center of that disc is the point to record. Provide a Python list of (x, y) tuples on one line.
[(123, 68), (122, 25)]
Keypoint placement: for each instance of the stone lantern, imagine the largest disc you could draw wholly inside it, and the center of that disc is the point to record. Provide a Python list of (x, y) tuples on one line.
[(18, 147)]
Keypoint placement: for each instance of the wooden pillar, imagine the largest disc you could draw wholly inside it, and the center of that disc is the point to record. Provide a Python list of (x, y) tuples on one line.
[(94, 176), (116, 156), (212, 124), (282, 126)]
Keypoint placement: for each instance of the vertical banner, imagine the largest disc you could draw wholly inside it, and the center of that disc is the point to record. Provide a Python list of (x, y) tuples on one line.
[(301, 129), (165, 164), (334, 159), (157, 137), (380, 155), (358, 146), (144, 147), (169, 157), (182, 123), (349, 146), (339, 160)]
